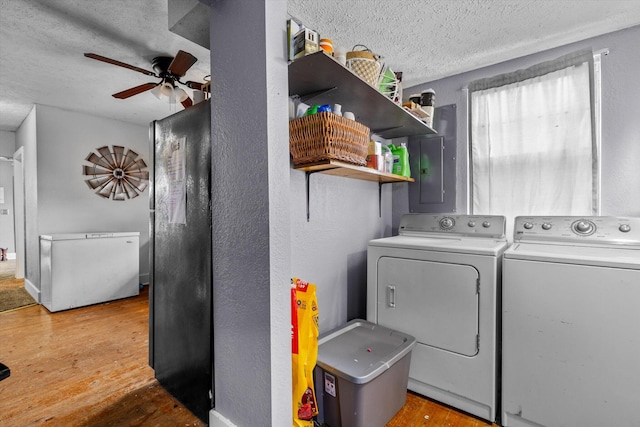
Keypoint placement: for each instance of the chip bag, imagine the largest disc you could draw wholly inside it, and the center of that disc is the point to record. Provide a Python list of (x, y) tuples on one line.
[(304, 351)]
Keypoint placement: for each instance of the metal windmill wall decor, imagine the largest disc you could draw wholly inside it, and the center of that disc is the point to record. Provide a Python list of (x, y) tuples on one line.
[(117, 173)]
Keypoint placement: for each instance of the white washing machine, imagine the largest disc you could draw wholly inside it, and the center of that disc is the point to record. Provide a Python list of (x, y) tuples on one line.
[(571, 323), (439, 281)]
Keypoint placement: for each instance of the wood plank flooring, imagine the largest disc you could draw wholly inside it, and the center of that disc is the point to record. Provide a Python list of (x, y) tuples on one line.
[(88, 367), (419, 411), (83, 367)]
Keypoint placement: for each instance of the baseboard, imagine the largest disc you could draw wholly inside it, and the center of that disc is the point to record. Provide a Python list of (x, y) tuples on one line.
[(33, 291), (144, 279), (217, 420)]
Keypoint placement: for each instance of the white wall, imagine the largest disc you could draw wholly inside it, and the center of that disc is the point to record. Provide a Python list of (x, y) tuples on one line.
[(26, 137), (620, 125), (63, 201), (7, 148)]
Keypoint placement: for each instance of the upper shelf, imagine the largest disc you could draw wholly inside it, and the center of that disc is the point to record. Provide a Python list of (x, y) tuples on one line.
[(320, 79)]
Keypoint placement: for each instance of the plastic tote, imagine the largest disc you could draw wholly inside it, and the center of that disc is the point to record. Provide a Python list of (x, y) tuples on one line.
[(362, 374)]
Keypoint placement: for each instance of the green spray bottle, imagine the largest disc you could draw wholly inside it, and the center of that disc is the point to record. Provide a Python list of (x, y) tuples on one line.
[(400, 160)]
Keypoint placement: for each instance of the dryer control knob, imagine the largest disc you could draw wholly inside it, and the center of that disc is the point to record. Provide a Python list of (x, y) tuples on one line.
[(447, 223), (625, 228), (471, 224), (546, 226), (528, 225), (486, 224)]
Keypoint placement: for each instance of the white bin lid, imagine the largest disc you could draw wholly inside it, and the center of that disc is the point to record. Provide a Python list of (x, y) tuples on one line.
[(359, 351), (77, 236)]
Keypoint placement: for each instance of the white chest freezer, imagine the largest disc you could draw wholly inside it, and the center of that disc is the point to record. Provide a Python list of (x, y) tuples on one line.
[(81, 269)]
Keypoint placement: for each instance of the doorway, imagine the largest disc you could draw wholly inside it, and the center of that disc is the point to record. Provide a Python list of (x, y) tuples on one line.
[(18, 210)]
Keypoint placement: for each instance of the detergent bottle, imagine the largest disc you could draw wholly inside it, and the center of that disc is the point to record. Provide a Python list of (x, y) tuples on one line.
[(400, 160), (388, 160)]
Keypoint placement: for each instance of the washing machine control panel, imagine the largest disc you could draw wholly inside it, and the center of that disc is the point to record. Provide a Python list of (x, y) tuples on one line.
[(597, 229), (492, 226)]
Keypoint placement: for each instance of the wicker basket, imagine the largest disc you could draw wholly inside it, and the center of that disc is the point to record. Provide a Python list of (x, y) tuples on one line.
[(365, 64), (326, 136)]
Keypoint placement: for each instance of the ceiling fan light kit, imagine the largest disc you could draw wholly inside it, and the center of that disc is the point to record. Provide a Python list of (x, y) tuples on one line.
[(166, 68)]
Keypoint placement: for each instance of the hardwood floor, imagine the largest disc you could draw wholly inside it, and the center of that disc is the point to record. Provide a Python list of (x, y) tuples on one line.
[(88, 367), (83, 367), (419, 411)]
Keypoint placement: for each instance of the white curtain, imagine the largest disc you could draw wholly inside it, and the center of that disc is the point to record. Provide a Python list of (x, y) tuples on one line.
[(532, 148)]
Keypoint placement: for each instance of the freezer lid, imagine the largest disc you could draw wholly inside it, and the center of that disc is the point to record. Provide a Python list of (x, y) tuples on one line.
[(451, 244), (97, 235), (360, 351), (610, 256)]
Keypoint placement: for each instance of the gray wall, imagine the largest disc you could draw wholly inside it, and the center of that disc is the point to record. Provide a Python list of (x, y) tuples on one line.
[(260, 232), (57, 198), (331, 249), (250, 211), (620, 195), (7, 148)]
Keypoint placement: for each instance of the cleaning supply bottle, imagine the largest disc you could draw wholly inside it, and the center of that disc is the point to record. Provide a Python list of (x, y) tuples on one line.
[(404, 161), (388, 160), (400, 160)]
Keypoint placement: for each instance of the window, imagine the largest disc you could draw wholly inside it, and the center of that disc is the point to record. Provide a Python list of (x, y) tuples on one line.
[(533, 146)]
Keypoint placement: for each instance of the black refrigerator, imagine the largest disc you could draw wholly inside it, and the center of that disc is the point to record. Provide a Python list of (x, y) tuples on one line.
[(180, 291)]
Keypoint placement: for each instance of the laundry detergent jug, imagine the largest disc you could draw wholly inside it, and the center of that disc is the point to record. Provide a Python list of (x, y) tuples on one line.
[(400, 160)]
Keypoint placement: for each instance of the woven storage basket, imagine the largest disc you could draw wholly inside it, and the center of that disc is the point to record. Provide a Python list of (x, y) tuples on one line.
[(326, 136), (365, 64)]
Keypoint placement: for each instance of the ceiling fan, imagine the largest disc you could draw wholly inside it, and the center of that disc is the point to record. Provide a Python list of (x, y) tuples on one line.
[(166, 68)]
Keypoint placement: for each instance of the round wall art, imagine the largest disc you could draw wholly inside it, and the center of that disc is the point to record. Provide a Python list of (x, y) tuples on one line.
[(117, 173)]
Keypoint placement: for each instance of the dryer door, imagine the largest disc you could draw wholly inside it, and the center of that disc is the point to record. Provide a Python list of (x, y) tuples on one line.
[(435, 302)]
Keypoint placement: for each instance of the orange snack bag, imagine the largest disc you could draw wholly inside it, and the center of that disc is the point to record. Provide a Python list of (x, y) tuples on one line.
[(304, 350)]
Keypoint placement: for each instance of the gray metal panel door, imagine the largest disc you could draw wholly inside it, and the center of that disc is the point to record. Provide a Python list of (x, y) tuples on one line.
[(433, 165), (181, 297), (435, 302)]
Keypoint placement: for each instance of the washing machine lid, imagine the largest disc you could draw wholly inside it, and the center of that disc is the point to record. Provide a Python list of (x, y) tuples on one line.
[(449, 244), (610, 256)]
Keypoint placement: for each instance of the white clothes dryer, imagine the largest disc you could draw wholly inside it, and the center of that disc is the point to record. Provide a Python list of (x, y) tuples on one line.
[(439, 281), (571, 323)]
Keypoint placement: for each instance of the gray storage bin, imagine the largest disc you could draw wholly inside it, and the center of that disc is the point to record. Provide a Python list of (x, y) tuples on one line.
[(362, 373)]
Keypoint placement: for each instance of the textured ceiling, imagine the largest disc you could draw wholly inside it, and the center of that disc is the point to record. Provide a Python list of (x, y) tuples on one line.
[(42, 43), (431, 39)]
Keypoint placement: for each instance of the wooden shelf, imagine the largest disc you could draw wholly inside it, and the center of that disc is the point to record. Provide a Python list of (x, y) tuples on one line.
[(320, 79), (333, 167), (347, 170)]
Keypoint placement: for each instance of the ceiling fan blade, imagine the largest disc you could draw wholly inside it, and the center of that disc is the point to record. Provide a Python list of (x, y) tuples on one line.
[(187, 103), (135, 90), (181, 63), (194, 85), (120, 64)]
